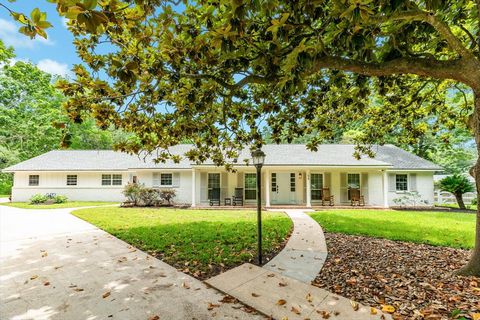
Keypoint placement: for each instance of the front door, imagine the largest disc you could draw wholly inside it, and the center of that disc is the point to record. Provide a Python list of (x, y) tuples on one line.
[(282, 187)]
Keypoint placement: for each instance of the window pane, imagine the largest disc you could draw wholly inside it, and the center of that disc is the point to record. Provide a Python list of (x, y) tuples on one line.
[(274, 182), (316, 194), (316, 181), (250, 194), (353, 180), (292, 182), (117, 179), (166, 179), (213, 180), (401, 182), (33, 180), (250, 180), (106, 179), (71, 180)]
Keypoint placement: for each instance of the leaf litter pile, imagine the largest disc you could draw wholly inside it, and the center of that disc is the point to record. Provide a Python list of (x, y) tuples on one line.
[(413, 281)]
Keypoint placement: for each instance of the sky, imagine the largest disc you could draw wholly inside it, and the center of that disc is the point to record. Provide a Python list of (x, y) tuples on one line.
[(55, 55)]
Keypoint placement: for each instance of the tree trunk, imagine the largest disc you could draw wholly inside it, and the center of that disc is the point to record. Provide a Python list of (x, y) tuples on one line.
[(473, 266), (460, 202)]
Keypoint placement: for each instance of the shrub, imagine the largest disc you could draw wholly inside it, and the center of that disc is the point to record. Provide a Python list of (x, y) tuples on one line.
[(149, 196), (38, 198), (132, 192), (474, 202), (167, 195), (60, 199)]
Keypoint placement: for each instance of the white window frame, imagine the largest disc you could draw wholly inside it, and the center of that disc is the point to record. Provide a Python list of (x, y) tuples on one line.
[(30, 176), (208, 182), (171, 179), (70, 182), (321, 189), (112, 179), (408, 182), (245, 187), (359, 183), (157, 181)]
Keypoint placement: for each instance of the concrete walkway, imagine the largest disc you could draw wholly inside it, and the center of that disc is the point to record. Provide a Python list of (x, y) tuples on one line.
[(281, 288), (56, 266), (306, 251)]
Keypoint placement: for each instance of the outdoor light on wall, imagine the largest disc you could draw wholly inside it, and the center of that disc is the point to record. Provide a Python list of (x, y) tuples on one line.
[(300, 175)]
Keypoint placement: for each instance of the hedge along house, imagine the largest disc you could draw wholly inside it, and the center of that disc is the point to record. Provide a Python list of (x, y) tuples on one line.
[(292, 175)]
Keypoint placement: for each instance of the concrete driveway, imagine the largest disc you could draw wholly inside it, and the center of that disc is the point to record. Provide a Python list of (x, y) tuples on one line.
[(56, 266)]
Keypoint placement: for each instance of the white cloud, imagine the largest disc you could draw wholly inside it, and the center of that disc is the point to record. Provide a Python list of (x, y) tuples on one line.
[(11, 37), (64, 22), (54, 67)]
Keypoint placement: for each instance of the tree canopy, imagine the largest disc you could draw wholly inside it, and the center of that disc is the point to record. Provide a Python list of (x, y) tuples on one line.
[(218, 71)]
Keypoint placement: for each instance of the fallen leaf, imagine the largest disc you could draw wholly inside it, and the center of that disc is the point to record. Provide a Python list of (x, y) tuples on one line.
[(106, 294), (255, 295), (282, 284), (78, 289), (33, 277), (373, 310), (355, 305), (44, 254), (271, 275), (281, 302), (388, 308), (324, 314), (309, 297), (155, 317), (185, 285), (295, 310), (46, 283), (212, 305), (475, 316), (228, 299)]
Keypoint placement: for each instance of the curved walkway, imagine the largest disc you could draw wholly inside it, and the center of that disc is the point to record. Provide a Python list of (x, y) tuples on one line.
[(306, 251), (281, 289)]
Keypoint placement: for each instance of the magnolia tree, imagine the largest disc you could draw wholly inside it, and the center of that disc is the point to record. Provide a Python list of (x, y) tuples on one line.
[(217, 72)]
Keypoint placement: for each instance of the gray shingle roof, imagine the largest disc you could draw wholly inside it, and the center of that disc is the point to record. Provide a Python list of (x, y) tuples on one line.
[(276, 155)]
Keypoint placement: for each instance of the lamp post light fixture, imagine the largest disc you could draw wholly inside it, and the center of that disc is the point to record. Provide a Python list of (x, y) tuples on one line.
[(258, 158)]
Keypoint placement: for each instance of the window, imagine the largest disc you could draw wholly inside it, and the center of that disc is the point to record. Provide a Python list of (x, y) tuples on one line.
[(71, 179), (33, 180), (292, 182), (111, 179), (401, 182), (250, 186), (274, 182), (116, 179), (166, 179), (213, 183), (316, 185), (353, 182)]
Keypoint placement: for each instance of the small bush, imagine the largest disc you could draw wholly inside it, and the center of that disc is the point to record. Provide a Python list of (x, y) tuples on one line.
[(149, 197), (474, 202), (38, 199), (60, 199), (167, 195), (132, 192)]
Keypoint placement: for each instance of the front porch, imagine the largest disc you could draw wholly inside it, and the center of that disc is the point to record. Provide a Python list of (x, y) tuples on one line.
[(289, 187)]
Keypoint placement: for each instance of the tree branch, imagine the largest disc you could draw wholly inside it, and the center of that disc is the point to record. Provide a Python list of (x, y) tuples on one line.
[(449, 69), (442, 28)]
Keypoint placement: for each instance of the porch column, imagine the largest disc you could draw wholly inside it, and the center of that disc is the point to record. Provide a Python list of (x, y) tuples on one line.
[(194, 188), (385, 189), (267, 188), (309, 189)]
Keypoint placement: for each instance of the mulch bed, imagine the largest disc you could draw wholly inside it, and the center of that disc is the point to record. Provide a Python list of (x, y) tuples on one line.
[(418, 280)]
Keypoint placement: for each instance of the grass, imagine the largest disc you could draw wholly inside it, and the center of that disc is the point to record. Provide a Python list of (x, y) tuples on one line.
[(455, 206), (201, 241), (449, 229), (4, 195), (70, 204)]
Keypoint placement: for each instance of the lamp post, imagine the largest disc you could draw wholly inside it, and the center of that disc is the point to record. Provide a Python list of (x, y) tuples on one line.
[(258, 157)]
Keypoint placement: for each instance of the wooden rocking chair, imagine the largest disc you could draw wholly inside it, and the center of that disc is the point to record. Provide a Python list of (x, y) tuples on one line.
[(215, 197), (327, 197), (356, 198)]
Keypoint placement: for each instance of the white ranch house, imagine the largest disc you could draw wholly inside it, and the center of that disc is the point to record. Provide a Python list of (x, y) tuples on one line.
[(291, 175)]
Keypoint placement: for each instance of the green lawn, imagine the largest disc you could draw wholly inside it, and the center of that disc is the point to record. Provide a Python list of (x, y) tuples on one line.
[(202, 241), (436, 228), (70, 204), (4, 195)]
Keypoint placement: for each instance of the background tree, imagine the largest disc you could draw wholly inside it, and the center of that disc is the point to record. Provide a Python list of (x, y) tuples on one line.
[(457, 185), (216, 72)]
